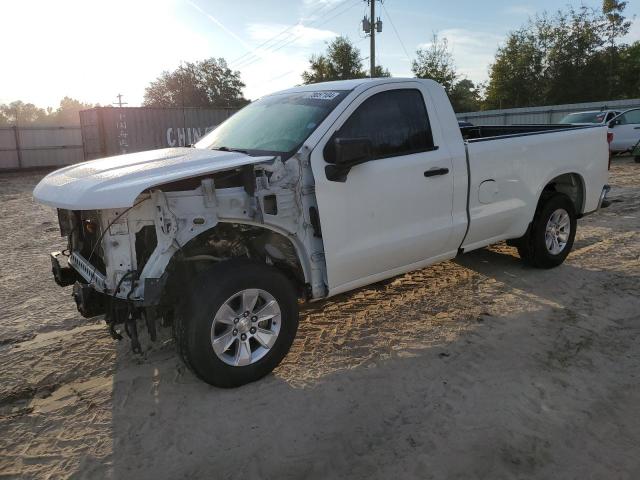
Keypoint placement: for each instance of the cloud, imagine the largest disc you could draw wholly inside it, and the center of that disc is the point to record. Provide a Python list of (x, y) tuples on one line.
[(634, 32), (521, 10), (279, 63), (473, 51), (298, 35)]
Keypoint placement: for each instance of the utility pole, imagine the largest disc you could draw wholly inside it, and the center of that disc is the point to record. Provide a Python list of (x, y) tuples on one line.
[(372, 45), (371, 26), (120, 103)]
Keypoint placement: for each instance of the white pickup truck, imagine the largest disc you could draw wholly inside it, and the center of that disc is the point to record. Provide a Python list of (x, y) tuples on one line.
[(302, 195)]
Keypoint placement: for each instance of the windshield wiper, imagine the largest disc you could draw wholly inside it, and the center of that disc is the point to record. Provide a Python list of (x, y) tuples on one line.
[(227, 149)]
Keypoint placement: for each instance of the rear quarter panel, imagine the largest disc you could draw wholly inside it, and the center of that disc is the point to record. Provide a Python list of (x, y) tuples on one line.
[(521, 167)]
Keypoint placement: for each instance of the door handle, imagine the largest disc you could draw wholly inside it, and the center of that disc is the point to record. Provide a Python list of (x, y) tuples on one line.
[(636, 128), (436, 171)]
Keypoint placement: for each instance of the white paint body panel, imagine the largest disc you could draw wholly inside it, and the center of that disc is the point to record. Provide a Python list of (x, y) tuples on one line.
[(387, 217), (115, 182), (519, 168)]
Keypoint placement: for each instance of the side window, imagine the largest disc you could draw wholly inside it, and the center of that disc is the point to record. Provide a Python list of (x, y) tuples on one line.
[(631, 117), (610, 115), (396, 122)]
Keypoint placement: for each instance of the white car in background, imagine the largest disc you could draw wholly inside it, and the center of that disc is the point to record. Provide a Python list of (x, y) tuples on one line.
[(594, 117), (626, 131)]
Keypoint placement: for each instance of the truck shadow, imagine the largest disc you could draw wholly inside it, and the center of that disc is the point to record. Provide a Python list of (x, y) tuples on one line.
[(342, 384)]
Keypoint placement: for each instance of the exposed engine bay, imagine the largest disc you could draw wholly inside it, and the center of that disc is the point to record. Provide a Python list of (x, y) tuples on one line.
[(130, 263)]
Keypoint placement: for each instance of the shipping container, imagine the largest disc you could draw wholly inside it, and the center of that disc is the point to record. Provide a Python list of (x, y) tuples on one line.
[(108, 131)]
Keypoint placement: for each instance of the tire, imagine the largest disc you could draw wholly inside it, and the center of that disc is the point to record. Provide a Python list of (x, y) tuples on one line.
[(533, 247), (203, 316)]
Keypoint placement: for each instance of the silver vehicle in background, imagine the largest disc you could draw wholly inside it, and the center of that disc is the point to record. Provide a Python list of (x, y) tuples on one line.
[(595, 117)]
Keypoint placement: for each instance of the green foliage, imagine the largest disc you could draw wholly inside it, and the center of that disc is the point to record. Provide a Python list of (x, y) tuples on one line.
[(342, 61), (208, 83), (381, 72), (20, 113), (68, 113), (436, 63), (465, 96), (572, 56)]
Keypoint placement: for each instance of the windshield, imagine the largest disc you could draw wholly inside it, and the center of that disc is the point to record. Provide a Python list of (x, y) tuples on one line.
[(273, 125), (586, 117)]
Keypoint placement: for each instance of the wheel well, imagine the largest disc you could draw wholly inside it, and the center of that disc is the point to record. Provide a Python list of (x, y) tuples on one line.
[(226, 241), (572, 185)]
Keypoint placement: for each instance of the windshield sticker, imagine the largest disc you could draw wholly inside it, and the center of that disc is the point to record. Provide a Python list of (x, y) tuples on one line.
[(322, 95)]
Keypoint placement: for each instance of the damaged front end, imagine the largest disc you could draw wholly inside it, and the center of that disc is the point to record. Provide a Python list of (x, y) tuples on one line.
[(130, 263)]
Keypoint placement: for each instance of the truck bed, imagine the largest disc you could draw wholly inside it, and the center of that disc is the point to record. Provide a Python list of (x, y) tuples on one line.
[(506, 175), (490, 132)]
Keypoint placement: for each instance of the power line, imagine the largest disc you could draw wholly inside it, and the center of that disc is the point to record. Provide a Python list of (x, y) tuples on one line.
[(396, 32), (287, 42), (290, 27)]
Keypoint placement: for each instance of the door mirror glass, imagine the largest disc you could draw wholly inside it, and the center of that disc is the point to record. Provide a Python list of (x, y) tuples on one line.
[(349, 152), (352, 151)]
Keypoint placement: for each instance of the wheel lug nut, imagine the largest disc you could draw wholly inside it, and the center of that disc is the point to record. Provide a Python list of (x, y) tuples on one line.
[(236, 320), (254, 319), (243, 337), (235, 332), (253, 330), (245, 314)]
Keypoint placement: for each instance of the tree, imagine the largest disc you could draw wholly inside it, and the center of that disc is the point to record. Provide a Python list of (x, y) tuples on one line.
[(20, 113), (465, 96), (208, 83), (381, 72), (68, 113), (342, 61), (616, 27), (629, 70), (572, 56), (436, 62), (575, 37)]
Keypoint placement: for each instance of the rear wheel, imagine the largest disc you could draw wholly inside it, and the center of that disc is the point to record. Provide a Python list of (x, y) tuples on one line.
[(236, 322), (552, 232)]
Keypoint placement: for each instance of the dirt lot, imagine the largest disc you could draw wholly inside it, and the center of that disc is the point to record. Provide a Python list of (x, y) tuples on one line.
[(475, 368)]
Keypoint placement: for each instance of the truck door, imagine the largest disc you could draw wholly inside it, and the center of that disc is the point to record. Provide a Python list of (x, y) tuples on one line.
[(393, 212), (626, 131)]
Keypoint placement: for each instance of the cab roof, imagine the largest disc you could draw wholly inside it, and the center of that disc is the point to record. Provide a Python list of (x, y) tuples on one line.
[(347, 85)]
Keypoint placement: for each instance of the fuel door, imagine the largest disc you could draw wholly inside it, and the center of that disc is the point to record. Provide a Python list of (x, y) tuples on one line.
[(488, 192)]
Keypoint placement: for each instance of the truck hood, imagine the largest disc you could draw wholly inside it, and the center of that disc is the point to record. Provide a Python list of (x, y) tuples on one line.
[(115, 182)]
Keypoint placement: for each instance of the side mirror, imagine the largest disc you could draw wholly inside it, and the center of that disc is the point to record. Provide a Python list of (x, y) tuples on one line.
[(613, 123), (349, 152)]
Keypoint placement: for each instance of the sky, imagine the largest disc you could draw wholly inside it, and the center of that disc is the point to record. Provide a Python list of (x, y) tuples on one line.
[(92, 50)]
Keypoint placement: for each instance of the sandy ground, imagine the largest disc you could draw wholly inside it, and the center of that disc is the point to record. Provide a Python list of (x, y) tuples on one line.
[(474, 368)]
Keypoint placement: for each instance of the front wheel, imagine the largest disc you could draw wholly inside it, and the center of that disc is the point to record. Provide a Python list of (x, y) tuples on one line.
[(236, 322), (552, 232)]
